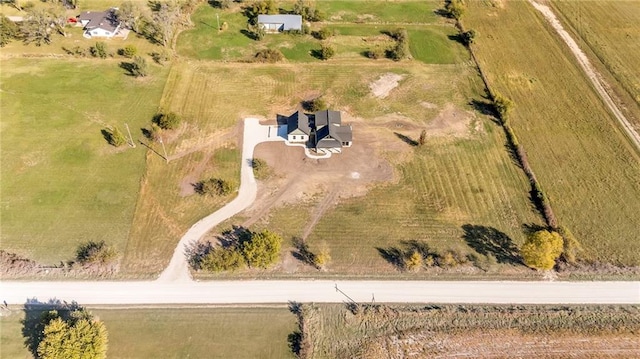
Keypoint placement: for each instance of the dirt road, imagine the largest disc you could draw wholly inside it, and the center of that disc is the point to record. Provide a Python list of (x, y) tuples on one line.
[(590, 71), (319, 291)]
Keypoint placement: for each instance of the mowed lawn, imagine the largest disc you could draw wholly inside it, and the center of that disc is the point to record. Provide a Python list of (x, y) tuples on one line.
[(583, 161), (179, 333), (62, 183), (358, 26), (611, 30)]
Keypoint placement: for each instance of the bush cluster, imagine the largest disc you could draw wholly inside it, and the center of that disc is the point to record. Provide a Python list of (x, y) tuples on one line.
[(315, 105), (114, 136), (268, 56), (215, 187), (401, 49), (167, 121), (95, 253), (323, 33), (255, 249)]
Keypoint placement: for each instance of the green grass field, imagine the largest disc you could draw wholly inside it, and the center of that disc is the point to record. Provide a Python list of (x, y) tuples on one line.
[(610, 31), (179, 333), (357, 30), (62, 183), (583, 161)]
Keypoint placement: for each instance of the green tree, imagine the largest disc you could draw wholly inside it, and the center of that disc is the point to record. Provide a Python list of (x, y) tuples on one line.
[(323, 257), (139, 67), (315, 105), (503, 106), (99, 50), (95, 253), (256, 31), (37, 27), (167, 121), (323, 33), (468, 37), (131, 15), (326, 51), (114, 136), (455, 8), (215, 187), (79, 336), (262, 250), (307, 10), (541, 249), (8, 30), (128, 51), (222, 259)]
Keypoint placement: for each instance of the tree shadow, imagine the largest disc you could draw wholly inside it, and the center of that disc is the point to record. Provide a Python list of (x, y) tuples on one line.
[(488, 240), (485, 108), (302, 252), (513, 154), (406, 139), (234, 237), (129, 67), (457, 38), (531, 228), (317, 53), (249, 34), (108, 135), (395, 256), (36, 318)]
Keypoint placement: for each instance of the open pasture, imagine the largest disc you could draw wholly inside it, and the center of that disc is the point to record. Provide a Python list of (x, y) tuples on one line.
[(585, 164), (610, 31), (178, 332), (62, 183)]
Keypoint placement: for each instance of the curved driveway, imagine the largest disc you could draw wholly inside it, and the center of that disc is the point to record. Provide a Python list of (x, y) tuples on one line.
[(254, 133)]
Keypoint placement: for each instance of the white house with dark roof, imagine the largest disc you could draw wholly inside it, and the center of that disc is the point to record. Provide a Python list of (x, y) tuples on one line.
[(278, 23), (99, 23), (323, 131)]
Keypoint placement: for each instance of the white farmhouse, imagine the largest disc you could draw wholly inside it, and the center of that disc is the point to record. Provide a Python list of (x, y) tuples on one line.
[(99, 23)]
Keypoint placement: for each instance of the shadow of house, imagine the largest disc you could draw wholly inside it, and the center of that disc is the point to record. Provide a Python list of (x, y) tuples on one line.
[(488, 240)]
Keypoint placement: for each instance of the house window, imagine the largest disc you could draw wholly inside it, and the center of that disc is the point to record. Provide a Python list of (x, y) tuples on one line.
[(294, 137)]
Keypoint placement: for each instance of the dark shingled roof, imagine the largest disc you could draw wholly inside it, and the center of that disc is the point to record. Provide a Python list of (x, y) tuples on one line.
[(298, 121), (100, 19), (323, 118)]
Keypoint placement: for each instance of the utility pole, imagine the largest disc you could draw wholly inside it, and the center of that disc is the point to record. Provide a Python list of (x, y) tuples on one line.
[(164, 150), (131, 143)]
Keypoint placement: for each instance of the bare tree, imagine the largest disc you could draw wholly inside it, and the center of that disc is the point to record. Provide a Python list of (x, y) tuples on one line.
[(165, 19)]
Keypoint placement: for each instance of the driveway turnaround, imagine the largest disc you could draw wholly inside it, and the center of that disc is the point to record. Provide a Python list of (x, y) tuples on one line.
[(323, 291)]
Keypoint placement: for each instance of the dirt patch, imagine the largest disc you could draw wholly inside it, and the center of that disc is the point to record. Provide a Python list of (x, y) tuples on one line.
[(326, 182), (383, 86), (502, 344), (453, 122)]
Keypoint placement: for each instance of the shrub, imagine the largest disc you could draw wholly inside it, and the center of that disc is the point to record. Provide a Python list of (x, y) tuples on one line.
[(114, 136), (375, 53), (167, 121), (95, 253), (128, 51), (468, 37), (326, 52), (224, 26), (570, 245), (401, 49), (139, 67), (541, 249), (503, 106), (160, 57), (256, 32), (268, 56), (260, 168), (315, 105), (414, 261), (215, 187), (323, 33), (455, 9), (222, 259), (307, 11), (8, 30), (99, 50), (423, 138)]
